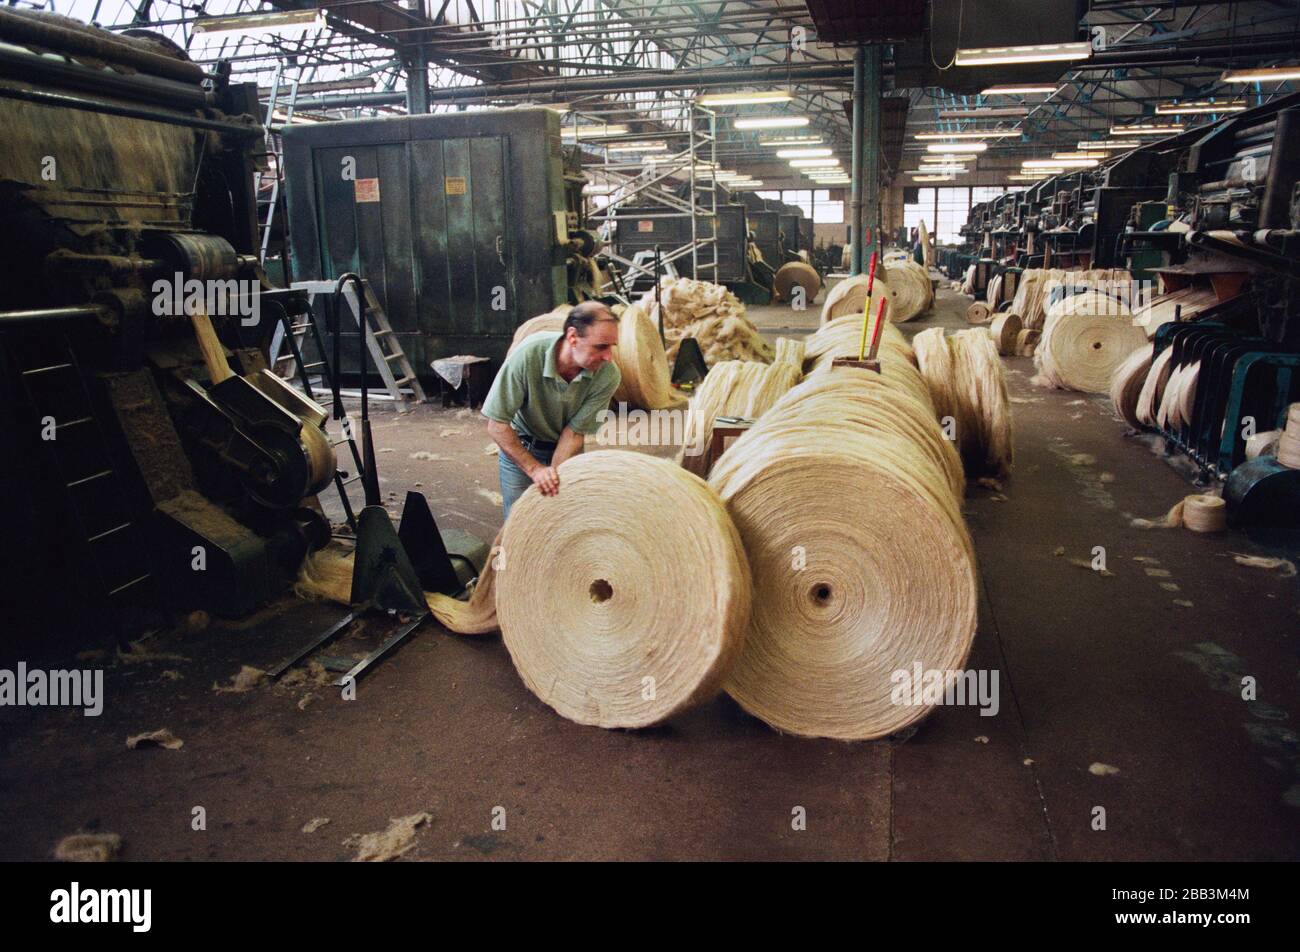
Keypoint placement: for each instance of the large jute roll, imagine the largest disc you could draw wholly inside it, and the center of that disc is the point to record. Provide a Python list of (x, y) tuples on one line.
[(843, 510), (1126, 384), (911, 291), (646, 378), (978, 313), (733, 388), (1027, 342), (1288, 445), (842, 337), (625, 598), (1037, 285), (797, 274), (1004, 330), (1085, 339), (850, 296), (967, 382)]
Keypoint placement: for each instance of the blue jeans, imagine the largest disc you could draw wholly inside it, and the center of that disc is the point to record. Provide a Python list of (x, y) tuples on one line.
[(513, 479)]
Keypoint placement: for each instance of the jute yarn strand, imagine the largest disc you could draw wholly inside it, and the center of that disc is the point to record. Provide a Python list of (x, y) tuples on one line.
[(1199, 513), (842, 469), (789, 351), (1086, 338), (732, 388), (1149, 398)]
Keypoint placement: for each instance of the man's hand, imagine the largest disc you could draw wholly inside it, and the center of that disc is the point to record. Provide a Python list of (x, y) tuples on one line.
[(546, 479)]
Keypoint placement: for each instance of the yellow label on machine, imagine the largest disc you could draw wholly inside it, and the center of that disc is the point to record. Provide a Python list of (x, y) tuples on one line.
[(455, 184)]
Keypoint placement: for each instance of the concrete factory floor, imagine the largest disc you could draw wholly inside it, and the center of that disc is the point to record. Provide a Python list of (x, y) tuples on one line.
[(1139, 669)]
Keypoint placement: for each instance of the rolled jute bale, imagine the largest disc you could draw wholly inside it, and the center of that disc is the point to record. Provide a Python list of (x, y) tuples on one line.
[(789, 351), (842, 337), (967, 382), (796, 274), (1126, 384), (911, 291), (1085, 339), (843, 473), (978, 313), (1004, 330), (1027, 342), (623, 600), (850, 297), (1288, 445), (733, 388), (1262, 444), (1150, 398), (643, 365)]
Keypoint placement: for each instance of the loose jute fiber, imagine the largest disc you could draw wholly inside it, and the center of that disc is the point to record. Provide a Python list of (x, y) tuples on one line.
[(862, 567), (1085, 339), (789, 351), (1288, 445), (708, 312)]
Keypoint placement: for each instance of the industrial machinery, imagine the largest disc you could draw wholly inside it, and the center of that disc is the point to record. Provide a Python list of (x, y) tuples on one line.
[(154, 462), (458, 221)]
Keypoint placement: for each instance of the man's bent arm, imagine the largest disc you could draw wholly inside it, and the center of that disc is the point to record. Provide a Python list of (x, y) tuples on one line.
[(570, 444), (505, 437)]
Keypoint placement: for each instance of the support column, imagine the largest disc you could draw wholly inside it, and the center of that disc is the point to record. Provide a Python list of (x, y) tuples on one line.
[(415, 63), (865, 202)]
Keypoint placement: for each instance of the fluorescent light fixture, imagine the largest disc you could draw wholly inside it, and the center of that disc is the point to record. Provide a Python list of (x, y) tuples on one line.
[(1059, 163), (930, 178), (1076, 155), (804, 153), (969, 134), (1030, 176), (1147, 129), (943, 169), (287, 23), (590, 189), (814, 163), (1199, 108), (743, 99), (983, 112), (949, 158), (747, 186), (1012, 90), (771, 122), (955, 147), (1105, 145), (638, 147), (1041, 53), (1260, 74), (594, 132), (791, 140)]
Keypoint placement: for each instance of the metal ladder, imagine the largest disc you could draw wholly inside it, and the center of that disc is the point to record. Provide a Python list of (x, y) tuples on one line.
[(111, 542), (274, 150), (385, 351)]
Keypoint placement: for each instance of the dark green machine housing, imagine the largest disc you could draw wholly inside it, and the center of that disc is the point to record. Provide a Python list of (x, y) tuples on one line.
[(458, 222)]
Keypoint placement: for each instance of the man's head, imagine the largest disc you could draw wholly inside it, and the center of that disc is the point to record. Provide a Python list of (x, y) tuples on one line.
[(591, 331)]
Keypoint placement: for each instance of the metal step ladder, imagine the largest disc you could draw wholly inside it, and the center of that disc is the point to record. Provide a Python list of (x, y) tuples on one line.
[(112, 547), (267, 206), (396, 371)]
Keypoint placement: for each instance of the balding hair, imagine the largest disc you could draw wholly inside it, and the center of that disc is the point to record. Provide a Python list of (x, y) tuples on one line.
[(585, 314)]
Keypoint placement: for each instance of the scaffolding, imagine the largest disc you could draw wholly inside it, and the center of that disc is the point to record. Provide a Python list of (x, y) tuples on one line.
[(645, 181)]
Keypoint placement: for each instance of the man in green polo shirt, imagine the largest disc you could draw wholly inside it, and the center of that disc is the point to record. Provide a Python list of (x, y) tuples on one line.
[(548, 397)]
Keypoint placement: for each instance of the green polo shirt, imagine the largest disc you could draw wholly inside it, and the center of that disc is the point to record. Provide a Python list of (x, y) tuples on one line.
[(532, 397)]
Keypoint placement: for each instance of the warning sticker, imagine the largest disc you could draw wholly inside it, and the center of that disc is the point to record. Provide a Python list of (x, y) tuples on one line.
[(645, 226), (455, 184), (367, 189)]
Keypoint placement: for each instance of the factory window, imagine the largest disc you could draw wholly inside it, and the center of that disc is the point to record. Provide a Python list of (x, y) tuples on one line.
[(814, 203), (945, 210)]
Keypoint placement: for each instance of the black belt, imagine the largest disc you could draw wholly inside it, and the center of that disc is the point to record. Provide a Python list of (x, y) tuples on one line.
[(532, 443)]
